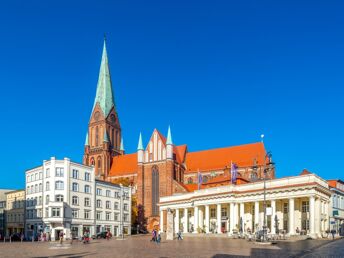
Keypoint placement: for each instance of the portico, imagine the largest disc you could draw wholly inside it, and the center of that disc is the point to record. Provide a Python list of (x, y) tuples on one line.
[(295, 205)]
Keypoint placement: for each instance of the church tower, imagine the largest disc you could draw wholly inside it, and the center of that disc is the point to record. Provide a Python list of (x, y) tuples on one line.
[(103, 139)]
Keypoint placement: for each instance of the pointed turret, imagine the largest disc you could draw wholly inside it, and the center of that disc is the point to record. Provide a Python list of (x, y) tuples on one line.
[(122, 145), (140, 152), (86, 140), (140, 145), (106, 138), (104, 95), (169, 136), (169, 144)]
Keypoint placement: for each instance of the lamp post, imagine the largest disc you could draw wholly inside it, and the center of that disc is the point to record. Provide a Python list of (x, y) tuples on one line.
[(267, 155)]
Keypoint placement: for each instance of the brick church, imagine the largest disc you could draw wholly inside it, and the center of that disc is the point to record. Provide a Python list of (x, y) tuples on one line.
[(159, 167)]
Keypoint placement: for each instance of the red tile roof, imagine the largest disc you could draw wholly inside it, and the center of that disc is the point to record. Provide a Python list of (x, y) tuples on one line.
[(124, 165), (242, 155), (180, 152)]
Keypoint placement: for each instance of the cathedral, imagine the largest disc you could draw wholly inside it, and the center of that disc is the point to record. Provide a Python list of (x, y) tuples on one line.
[(160, 168)]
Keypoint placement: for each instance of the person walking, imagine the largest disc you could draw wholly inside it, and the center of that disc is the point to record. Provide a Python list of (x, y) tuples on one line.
[(179, 235), (61, 237), (158, 239)]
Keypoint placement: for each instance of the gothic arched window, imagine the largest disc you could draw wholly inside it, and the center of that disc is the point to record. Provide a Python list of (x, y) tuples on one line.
[(92, 162), (155, 190), (97, 136), (99, 162)]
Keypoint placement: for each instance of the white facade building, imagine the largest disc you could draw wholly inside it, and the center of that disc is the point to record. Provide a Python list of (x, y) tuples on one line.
[(295, 205), (337, 206), (61, 196)]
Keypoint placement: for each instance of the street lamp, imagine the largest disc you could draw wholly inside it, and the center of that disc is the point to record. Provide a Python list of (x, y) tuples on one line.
[(267, 155)]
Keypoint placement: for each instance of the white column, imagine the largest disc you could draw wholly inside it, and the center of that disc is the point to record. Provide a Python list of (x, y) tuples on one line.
[(218, 215), (256, 215), (195, 219), (317, 216), (207, 222), (176, 222), (162, 221), (291, 216), (186, 224), (241, 216), (228, 216), (311, 215), (231, 218), (273, 222)]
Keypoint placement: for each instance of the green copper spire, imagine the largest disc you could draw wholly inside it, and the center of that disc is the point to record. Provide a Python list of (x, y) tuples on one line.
[(104, 95), (86, 140), (122, 145), (140, 145), (169, 136), (106, 139)]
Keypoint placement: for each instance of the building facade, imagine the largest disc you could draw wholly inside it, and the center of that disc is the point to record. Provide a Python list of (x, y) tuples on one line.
[(63, 196), (3, 211), (160, 168), (337, 206), (295, 205), (15, 212)]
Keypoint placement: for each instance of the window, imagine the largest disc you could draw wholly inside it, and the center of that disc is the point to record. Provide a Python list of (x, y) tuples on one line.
[(28, 190), (108, 205), (99, 191), (87, 189), (75, 187), (99, 203), (40, 200), (190, 181), (87, 214), (59, 198), (32, 190), (36, 188), (305, 206), (47, 186), (212, 213), (99, 215), (108, 216), (116, 217), (125, 206), (47, 199), (75, 174), (40, 175), (28, 179), (40, 187), (46, 212), (117, 195), (87, 176), (47, 172), (55, 212), (36, 176), (59, 172), (97, 136), (108, 193), (87, 202), (75, 214), (32, 178), (75, 200), (125, 217), (223, 212), (155, 190), (59, 185), (116, 206), (285, 207), (99, 163)]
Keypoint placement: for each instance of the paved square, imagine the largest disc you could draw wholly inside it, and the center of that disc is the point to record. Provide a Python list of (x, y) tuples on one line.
[(140, 246)]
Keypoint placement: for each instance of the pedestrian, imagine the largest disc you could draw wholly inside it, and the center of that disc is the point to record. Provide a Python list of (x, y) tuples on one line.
[(158, 239), (61, 237), (179, 235), (153, 236), (333, 232)]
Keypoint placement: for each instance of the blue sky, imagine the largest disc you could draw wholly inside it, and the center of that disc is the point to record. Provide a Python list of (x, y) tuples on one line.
[(219, 72)]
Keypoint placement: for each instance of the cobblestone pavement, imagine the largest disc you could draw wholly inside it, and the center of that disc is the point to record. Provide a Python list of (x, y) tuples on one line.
[(140, 246)]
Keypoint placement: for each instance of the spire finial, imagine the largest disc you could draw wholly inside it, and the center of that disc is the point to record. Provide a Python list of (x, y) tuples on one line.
[(106, 139), (140, 145), (86, 140), (122, 145), (169, 136)]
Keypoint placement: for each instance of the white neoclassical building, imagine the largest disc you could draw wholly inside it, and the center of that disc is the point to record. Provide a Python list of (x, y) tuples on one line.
[(62, 195), (295, 205)]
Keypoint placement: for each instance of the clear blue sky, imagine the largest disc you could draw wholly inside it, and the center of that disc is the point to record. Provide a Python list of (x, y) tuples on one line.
[(220, 72)]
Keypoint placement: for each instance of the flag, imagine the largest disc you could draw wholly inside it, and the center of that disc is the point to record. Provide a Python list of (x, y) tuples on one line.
[(199, 179), (234, 172)]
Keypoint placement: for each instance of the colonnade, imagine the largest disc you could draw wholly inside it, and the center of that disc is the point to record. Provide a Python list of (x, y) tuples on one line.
[(292, 215)]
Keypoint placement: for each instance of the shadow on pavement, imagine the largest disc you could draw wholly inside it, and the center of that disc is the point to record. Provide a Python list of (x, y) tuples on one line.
[(71, 255)]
